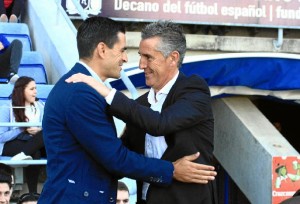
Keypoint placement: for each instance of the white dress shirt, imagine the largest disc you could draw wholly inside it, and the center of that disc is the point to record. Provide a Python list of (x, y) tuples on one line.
[(94, 75), (33, 113), (155, 146)]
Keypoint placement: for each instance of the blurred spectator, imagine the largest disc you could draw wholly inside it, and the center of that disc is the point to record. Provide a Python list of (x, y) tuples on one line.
[(4, 168), (123, 193), (10, 58), (21, 142), (5, 184), (29, 198), (10, 10)]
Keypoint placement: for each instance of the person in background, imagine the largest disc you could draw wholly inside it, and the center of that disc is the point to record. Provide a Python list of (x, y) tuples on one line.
[(173, 119), (10, 58), (122, 194), (5, 185), (18, 142), (29, 198), (4, 168), (10, 10), (85, 158)]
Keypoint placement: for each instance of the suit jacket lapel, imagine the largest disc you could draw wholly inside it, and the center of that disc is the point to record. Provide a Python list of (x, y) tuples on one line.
[(172, 91)]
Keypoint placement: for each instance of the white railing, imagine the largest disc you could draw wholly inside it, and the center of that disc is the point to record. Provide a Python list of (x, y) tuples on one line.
[(20, 124)]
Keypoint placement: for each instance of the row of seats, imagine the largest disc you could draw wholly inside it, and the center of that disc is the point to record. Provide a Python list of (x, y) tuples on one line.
[(32, 65), (32, 62), (18, 31)]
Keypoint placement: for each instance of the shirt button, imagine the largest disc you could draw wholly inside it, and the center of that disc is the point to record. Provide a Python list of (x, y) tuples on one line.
[(86, 194), (111, 200)]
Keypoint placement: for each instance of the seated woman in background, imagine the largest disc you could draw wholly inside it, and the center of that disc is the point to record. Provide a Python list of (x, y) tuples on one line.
[(10, 10), (10, 58), (21, 142)]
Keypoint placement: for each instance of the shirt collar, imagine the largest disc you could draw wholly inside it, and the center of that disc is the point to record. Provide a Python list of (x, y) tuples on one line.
[(165, 90), (91, 71)]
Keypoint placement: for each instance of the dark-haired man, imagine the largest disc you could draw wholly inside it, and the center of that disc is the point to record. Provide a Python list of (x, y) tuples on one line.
[(6, 181), (123, 193)]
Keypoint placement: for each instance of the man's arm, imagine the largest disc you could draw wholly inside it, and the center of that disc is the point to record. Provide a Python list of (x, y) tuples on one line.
[(183, 169), (88, 122), (189, 109)]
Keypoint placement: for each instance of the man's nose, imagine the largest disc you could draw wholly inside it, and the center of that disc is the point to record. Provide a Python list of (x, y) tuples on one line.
[(142, 64), (2, 199), (125, 57)]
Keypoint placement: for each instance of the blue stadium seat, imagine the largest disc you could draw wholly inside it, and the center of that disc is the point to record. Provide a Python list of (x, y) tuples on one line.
[(32, 62), (3, 80), (3, 102), (6, 90), (32, 65), (23, 38), (17, 31)]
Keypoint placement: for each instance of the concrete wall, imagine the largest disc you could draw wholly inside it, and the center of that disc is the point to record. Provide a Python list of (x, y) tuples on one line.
[(245, 142), (53, 35)]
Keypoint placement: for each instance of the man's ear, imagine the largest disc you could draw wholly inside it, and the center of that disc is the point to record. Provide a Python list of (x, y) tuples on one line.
[(175, 56), (100, 49)]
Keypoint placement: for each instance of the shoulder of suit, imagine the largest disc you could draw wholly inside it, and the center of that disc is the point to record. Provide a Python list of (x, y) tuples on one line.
[(193, 79), (143, 98)]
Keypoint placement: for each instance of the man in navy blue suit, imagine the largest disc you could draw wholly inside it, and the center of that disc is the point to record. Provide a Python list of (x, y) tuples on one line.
[(85, 156)]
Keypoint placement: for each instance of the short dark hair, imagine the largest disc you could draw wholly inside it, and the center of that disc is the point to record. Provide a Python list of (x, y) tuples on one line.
[(6, 175), (94, 30), (28, 197), (4, 168), (122, 186)]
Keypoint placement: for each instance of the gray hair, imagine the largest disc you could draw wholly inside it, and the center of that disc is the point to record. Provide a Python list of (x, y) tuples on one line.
[(172, 37)]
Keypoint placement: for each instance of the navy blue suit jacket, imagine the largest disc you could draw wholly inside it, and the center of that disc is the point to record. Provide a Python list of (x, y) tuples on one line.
[(186, 121), (85, 157)]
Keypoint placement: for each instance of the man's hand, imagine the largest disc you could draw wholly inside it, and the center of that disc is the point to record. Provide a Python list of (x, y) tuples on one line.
[(1, 46), (99, 87), (189, 172)]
